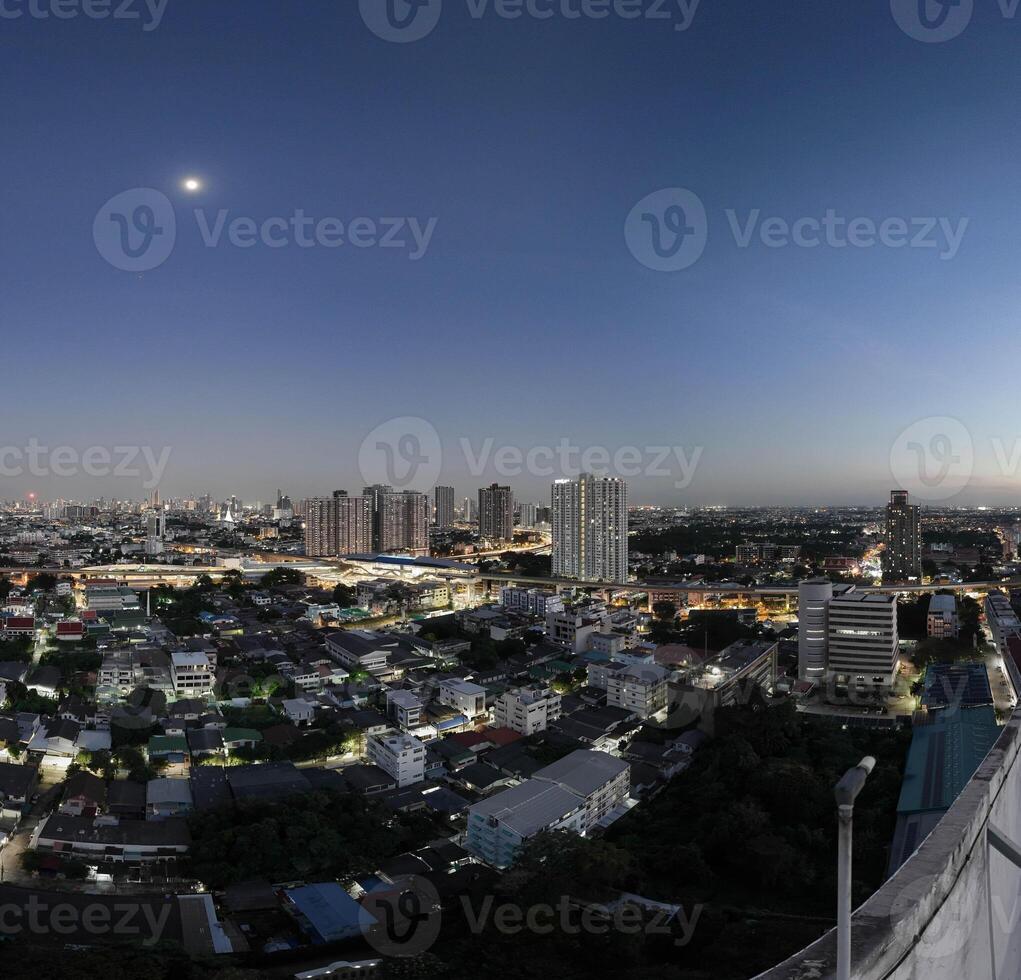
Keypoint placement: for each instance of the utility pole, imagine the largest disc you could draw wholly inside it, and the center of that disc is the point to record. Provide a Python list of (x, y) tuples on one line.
[(846, 792)]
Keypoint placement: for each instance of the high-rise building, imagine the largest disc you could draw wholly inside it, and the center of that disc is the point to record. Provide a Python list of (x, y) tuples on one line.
[(404, 522), (156, 532), (337, 525), (375, 493), (444, 500), (902, 557), (590, 525), (814, 597), (496, 513), (527, 514), (846, 636), (862, 639)]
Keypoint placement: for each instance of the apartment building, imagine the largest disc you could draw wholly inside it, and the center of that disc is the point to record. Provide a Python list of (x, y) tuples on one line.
[(404, 709), (463, 696), (576, 793), (401, 756), (193, 674), (1001, 619), (639, 688), (941, 620), (532, 602), (527, 709)]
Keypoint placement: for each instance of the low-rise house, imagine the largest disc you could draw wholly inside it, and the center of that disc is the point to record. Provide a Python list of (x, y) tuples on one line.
[(126, 798), (145, 841), (45, 681), (84, 795), (12, 670), (57, 741), (204, 741), (298, 710), (167, 798), (17, 785), (94, 740), (240, 738), (172, 749)]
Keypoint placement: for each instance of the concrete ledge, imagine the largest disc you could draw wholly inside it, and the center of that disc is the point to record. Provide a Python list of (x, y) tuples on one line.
[(941, 914)]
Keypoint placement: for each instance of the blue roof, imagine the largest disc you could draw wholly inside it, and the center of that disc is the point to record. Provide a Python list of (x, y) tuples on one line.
[(451, 722), (329, 910), (960, 684), (944, 756)]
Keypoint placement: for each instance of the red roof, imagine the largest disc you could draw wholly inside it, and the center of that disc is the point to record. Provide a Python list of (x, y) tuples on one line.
[(90, 616), (70, 629), (496, 736), (19, 623)]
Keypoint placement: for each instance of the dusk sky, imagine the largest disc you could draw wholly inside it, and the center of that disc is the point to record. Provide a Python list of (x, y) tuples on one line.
[(525, 318)]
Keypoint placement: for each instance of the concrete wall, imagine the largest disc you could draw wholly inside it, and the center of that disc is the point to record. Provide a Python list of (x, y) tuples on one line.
[(953, 910)]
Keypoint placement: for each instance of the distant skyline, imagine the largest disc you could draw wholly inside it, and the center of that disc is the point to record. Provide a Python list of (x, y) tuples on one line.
[(521, 307)]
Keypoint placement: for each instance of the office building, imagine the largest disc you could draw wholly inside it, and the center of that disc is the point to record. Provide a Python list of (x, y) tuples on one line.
[(902, 556), (814, 597), (337, 525), (443, 498), (590, 528), (862, 639), (496, 514)]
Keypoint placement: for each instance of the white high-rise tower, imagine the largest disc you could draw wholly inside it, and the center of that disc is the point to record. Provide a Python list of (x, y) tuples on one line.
[(590, 525)]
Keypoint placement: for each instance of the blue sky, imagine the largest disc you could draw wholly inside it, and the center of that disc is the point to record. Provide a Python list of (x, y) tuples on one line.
[(527, 320)]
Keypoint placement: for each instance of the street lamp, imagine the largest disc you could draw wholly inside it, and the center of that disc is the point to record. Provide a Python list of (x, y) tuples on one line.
[(846, 792)]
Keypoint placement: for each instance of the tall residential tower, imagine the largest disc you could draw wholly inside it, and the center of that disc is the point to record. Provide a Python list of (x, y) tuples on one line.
[(902, 558), (590, 525)]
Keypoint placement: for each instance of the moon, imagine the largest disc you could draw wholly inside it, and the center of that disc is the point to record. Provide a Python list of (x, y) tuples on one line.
[(192, 184)]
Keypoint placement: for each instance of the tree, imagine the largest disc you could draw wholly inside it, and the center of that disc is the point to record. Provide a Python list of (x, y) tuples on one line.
[(664, 610), (344, 595), (44, 582)]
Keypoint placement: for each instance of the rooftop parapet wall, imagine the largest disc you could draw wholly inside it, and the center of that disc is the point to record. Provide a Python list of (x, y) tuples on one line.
[(954, 906)]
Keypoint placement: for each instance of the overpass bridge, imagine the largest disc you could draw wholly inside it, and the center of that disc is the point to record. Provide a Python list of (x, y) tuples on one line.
[(338, 565)]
